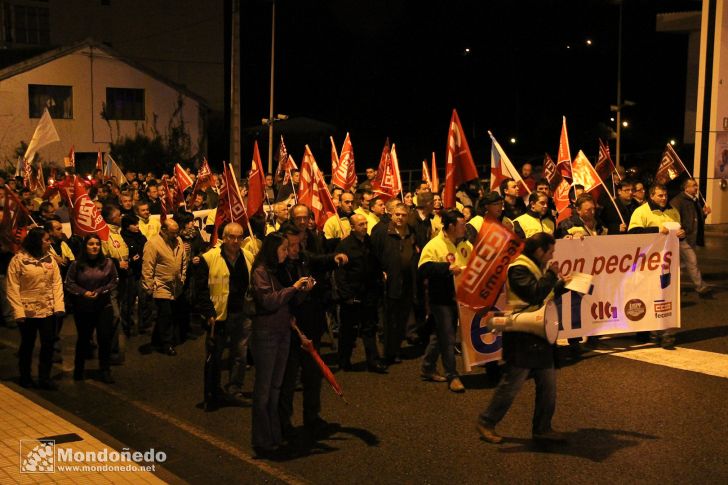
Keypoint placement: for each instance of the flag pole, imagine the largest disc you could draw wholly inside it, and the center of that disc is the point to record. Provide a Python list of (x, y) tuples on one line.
[(689, 174), (245, 209), (609, 195)]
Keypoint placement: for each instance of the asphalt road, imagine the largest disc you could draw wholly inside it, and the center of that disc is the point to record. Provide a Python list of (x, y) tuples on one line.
[(627, 421)]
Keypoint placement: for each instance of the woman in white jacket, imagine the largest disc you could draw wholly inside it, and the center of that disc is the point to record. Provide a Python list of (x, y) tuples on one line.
[(35, 294)]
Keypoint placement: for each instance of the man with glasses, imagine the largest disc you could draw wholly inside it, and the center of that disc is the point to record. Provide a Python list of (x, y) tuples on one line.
[(337, 228), (626, 206), (638, 194)]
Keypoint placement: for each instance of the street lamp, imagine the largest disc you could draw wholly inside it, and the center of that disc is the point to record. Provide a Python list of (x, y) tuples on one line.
[(272, 84)]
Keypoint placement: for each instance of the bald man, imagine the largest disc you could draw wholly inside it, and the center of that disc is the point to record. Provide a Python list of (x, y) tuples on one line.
[(163, 275)]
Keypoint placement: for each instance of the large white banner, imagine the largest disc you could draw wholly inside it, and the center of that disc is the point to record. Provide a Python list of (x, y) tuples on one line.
[(636, 287), (636, 284)]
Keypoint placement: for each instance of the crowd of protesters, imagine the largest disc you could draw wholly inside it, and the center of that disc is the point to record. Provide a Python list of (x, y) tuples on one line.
[(380, 270)]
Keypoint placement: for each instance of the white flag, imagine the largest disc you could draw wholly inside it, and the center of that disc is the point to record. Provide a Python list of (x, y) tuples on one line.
[(113, 170), (45, 133)]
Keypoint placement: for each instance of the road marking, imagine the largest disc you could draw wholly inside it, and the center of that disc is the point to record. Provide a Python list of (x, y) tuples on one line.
[(219, 443), (710, 363)]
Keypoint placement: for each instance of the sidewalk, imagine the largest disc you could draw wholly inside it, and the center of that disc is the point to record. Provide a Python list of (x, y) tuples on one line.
[(23, 419)]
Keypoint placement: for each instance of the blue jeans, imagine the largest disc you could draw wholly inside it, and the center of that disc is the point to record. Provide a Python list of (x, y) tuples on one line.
[(442, 342), (508, 388), (270, 353)]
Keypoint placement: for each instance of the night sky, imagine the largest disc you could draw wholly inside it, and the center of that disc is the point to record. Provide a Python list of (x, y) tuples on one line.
[(396, 69)]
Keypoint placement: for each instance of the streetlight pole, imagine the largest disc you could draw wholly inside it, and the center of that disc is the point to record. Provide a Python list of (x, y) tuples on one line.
[(619, 88), (272, 74)]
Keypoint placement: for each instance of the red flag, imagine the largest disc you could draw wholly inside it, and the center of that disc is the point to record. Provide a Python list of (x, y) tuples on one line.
[(501, 169), (86, 217), (563, 159), (344, 174), (561, 200), (460, 166), (435, 188), (183, 180), (487, 268), (71, 158), (584, 174), (313, 191), (605, 167), (388, 182), (285, 163), (334, 157), (40, 179), (426, 174), (204, 177), (99, 161), (167, 200), (256, 184), (549, 171), (27, 174), (13, 226), (230, 206), (670, 166)]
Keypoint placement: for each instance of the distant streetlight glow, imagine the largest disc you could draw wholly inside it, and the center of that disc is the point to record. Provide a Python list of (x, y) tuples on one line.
[(672, 142), (568, 47), (588, 42), (513, 141), (625, 124), (467, 50)]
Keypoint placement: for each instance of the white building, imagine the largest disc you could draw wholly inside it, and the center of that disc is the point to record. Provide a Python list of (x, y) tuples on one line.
[(95, 96)]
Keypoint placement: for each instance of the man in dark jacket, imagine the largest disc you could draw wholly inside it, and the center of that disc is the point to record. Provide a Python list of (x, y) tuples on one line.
[(394, 246), (420, 224), (359, 286), (135, 241), (625, 204), (692, 219), (531, 280)]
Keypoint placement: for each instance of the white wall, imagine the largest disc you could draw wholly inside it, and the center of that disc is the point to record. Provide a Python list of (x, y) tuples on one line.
[(89, 71)]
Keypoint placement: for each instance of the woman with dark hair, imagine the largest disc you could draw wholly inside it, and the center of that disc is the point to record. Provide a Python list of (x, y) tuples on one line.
[(270, 339), (89, 283), (35, 294)]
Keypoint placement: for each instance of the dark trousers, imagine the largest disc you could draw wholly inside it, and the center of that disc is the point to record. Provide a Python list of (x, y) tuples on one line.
[(166, 328), (128, 291), (45, 327), (358, 319), (147, 309), (310, 378), (270, 351), (508, 388), (232, 334), (397, 314), (86, 323), (419, 327), (442, 342)]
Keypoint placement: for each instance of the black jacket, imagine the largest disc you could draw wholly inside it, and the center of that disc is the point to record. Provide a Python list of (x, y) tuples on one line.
[(135, 241), (361, 278), (692, 218), (396, 257), (522, 349), (611, 218)]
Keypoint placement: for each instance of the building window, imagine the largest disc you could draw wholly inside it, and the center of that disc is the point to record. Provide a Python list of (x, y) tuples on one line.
[(31, 25), (58, 100), (124, 104)]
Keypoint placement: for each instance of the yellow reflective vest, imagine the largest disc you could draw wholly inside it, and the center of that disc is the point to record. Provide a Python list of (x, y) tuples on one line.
[(150, 227), (115, 247), (332, 229), (515, 303), (645, 216), (372, 218), (439, 249), (218, 279), (532, 225)]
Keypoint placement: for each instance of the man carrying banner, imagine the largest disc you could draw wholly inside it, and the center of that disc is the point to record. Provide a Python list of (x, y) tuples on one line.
[(626, 205), (692, 216), (536, 219), (531, 282), (443, 258), (651, 218)]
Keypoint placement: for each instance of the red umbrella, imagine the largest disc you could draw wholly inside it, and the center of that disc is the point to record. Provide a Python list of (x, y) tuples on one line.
[(307, 345)]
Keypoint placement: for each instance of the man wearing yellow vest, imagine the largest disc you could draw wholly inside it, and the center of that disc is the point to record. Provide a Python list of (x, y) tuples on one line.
[(536, 219), (531, 281), (337, 228), (222, 278), (148, 226), (116, 249), (650, 218), (442, 259)]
